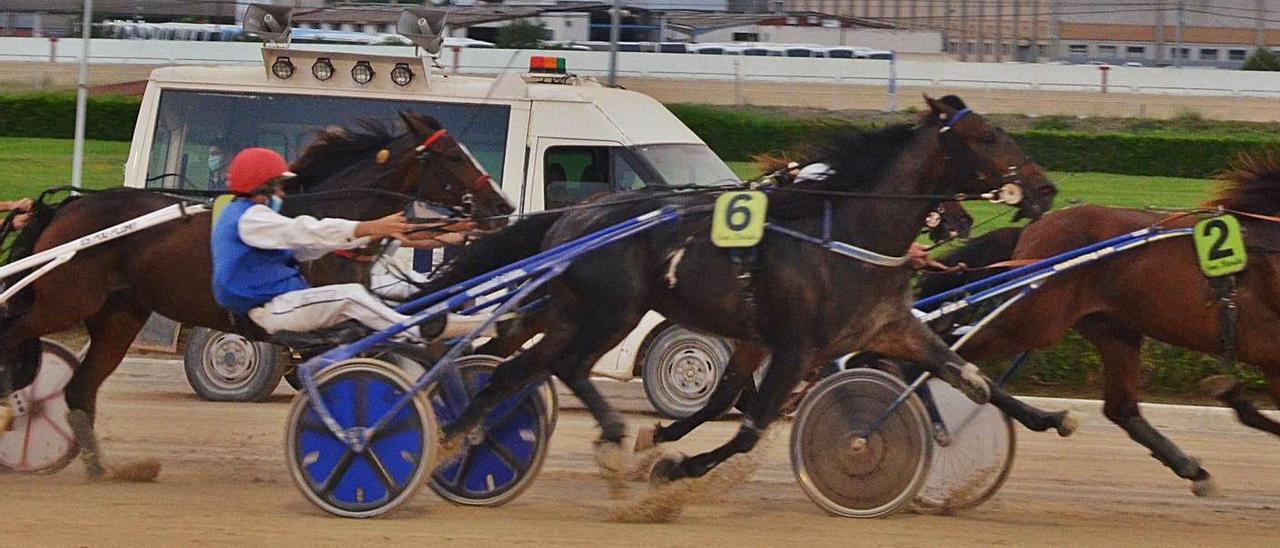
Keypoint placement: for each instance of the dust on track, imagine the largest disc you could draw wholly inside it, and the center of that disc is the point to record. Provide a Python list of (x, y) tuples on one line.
[(224, 481)]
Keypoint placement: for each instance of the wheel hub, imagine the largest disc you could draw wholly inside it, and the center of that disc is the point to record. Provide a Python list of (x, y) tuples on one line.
[(230, 360), (862, 454), (692, 373)]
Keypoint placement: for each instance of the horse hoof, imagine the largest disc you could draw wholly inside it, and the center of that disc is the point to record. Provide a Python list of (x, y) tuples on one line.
[(974, 384), (646, 438), (1205, 488), (1068, 424), (1219, 386), (611, 456), (666, 470)]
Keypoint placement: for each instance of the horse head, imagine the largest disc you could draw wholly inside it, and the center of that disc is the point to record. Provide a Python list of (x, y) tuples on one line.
[(459, 177), (981, 158), (948, 222)]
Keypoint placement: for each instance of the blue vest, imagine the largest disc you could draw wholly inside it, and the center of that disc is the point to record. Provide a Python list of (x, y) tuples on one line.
[(245, 277)]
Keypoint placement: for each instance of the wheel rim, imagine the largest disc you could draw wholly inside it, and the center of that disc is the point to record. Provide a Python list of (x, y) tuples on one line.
[(388, 471), (689, 373), (229, 361), (972, 467), (845, 473), (501, 460)]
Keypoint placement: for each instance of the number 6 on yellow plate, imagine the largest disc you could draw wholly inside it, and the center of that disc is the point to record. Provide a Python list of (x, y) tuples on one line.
[(739, 217)]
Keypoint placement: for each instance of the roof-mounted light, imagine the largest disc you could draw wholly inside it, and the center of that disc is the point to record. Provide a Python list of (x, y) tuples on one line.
[(541, 64), (282, 68), (362, 73), (322, 69), (401, 75)]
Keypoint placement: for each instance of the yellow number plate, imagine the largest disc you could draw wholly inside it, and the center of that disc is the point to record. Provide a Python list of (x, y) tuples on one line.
[(739, 219), (1220, 246)]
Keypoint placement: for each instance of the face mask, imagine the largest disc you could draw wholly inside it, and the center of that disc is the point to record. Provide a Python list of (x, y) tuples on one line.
[(275, 204), (215, 162)]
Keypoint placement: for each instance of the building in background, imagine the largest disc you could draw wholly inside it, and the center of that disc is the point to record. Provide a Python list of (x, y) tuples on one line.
[(1213, 32), (62, 17)]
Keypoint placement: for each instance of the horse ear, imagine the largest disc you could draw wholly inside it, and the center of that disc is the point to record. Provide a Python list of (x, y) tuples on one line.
[(416, 124), (941, 109)]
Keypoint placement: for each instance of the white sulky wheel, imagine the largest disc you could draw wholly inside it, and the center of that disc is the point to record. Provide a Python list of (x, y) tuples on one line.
[(845, 473), (502, 459), (976, 461), (358, 393), (40, 440)]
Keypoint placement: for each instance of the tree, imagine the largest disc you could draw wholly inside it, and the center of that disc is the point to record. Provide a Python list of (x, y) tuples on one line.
[(1262, 59), (521, 35)]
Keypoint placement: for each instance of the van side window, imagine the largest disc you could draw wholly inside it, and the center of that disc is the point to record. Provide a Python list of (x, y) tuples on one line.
[(574, 173)]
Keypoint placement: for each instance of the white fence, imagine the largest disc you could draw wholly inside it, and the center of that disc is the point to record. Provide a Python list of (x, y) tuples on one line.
[(992, 76)]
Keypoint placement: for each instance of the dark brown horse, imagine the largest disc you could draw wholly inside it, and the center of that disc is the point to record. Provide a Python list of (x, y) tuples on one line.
[(113, 288), (798, 301), (1156, 291)]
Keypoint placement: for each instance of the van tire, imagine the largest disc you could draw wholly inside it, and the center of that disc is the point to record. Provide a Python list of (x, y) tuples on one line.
[(681, 369), (228, 367)]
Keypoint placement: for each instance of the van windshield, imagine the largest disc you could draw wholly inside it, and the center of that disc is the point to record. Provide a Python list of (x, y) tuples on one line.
[(686, 165), (198, 132)]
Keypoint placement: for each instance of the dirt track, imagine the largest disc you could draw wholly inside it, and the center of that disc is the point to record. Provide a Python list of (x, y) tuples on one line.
[(224, 482)]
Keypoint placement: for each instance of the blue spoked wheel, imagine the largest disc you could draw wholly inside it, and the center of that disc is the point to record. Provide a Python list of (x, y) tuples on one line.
[(389, 470), (500, 460)]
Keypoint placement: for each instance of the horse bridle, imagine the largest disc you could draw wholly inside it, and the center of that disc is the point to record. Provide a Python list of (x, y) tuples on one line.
[(1011, 184), (425, 151)]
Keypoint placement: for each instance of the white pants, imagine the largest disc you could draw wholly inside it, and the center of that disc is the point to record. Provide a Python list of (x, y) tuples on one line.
[(320, 307), (394, 283)]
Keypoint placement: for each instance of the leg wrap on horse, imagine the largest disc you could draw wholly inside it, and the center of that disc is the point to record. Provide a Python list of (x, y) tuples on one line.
[(1162, 449)]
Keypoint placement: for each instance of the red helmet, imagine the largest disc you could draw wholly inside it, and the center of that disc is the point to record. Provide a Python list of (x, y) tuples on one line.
[(254, 167)]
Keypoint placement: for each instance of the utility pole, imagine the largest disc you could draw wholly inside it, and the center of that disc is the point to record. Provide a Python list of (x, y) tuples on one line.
[(1260, 24), (1158, 59), (1014, 52), (82, 96), (999, 44), (615, 30), (1055, 30), (982, 31), (1035, 31), (1177, 36)]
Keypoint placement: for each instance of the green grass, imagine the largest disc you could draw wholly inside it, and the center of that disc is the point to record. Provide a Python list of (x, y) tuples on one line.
[(28, 165)]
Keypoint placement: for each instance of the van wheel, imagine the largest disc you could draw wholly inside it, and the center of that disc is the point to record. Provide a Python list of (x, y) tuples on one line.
[(228, 367), (681, 369)]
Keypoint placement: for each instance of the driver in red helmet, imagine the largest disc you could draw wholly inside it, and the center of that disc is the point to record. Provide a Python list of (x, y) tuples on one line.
[(256, 251)]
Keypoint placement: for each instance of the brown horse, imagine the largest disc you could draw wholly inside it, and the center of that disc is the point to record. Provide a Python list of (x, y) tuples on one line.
[(114, 287), (1156, 291)]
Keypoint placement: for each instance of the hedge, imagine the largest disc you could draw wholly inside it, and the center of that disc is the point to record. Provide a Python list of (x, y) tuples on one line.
[(737, 135), (53, 115)]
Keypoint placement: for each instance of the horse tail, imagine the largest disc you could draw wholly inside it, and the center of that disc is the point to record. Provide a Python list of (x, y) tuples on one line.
[(24, 239), (990, 248), (518, 241)]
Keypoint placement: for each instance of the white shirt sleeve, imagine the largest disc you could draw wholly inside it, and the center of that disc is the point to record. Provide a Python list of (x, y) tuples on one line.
[(308, 237)]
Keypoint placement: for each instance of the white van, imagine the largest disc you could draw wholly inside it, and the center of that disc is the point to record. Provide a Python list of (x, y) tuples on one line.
[(549, 140)]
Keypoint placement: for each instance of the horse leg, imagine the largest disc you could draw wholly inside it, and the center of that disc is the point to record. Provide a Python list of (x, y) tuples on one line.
[(1230, 391), (1120, 347), (742, 365), (111, 331), (784, 374), (506, 344), (905, 338)]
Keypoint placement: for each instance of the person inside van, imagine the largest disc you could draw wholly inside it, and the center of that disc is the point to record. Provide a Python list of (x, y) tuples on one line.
[(256, 251)]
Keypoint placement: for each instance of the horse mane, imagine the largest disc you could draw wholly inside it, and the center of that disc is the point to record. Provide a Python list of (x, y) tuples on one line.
[(1251, 183), (857, 157), (337, 148)]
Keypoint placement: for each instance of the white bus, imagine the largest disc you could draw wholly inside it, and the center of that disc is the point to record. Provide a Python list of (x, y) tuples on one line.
[(550, 142)]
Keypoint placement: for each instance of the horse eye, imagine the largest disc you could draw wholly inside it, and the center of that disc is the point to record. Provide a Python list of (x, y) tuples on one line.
[(989, 137)]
